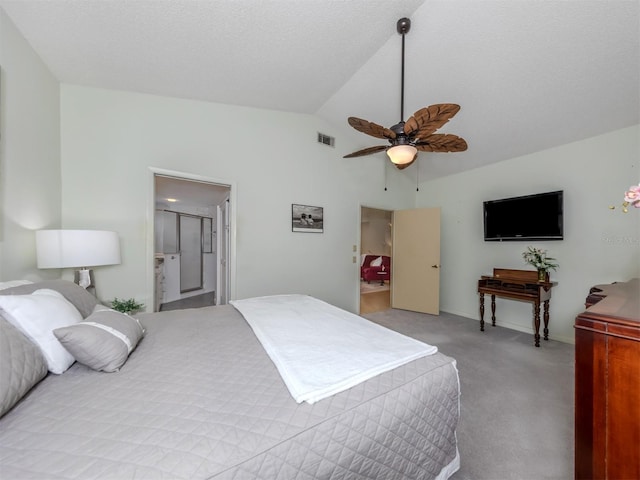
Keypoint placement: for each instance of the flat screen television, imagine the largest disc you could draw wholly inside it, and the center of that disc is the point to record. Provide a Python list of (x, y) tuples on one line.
[(530, 217)]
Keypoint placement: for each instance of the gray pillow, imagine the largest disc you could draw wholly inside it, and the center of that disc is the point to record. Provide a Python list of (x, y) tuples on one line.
[(22, 365), (78, 296), (103, 341)]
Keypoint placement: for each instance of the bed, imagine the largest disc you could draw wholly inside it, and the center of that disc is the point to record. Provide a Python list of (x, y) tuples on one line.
[(199, 398)]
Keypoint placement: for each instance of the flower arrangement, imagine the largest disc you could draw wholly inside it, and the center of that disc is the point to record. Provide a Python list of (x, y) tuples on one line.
[(126, 306), (631, 198), (539, 259)]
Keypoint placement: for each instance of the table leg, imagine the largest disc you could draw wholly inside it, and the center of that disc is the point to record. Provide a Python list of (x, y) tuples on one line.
[(546, 319), (482, 312), (493, 310), (536, 322)]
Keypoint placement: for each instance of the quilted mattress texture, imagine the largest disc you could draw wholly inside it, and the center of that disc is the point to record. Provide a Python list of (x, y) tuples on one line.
[(200, 399)]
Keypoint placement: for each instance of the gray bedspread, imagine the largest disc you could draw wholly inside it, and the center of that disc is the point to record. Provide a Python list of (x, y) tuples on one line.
[(200, 399)]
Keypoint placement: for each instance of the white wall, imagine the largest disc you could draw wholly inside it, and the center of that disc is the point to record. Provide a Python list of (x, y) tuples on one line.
[(110, 139), (29, 154), (600, 245)]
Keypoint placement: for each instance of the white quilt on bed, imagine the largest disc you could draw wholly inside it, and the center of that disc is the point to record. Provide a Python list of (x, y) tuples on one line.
[(320, 349)]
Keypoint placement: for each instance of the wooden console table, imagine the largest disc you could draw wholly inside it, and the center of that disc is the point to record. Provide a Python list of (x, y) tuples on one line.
[(517, 285), (607, 376)]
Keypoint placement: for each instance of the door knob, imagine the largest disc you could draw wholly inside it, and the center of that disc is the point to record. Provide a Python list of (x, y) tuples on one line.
[(435, 266)]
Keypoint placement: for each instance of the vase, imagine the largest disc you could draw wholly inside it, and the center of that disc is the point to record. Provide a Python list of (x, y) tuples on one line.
[(542, 275)]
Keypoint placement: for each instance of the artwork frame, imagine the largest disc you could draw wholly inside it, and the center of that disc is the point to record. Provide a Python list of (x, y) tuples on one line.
[(307, 218)]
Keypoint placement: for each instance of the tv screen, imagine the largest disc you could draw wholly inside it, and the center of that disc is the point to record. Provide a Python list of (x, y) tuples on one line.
[(530, 217)]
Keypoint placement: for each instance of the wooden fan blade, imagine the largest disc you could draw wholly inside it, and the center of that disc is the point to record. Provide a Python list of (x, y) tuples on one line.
[(442, 142), (372, 129), (367, 151), (427, 120)]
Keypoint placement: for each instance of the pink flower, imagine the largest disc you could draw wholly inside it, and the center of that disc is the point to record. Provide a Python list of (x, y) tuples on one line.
[(633, 196)]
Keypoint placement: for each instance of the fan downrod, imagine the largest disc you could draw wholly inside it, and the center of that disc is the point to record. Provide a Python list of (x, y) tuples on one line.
[(403, 26)]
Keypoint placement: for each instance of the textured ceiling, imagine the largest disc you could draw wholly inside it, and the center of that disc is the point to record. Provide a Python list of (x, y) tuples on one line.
[(529, 74), (287, 55)]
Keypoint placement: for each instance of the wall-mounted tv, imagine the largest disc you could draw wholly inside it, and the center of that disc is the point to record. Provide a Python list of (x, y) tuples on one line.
[(530, 217)]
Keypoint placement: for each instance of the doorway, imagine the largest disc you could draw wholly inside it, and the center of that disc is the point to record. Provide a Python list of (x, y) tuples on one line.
[(375, 244), (191, 246), (414, 245)]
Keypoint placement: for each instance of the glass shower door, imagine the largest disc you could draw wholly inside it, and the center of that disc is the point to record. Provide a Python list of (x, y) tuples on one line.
[(190, 253)]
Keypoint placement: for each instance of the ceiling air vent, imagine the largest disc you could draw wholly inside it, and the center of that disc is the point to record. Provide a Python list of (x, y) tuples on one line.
[(326, 139)]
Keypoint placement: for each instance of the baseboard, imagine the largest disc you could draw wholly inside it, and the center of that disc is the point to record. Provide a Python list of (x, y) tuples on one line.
[(515, 326)]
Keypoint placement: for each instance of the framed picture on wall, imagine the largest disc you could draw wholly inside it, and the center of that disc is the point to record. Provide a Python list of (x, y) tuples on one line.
[(307, 219)]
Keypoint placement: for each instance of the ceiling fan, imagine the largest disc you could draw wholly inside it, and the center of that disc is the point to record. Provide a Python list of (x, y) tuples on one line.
[(417, 133)]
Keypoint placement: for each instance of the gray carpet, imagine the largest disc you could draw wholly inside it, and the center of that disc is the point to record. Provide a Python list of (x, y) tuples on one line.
[(516, 408), (197, 301)]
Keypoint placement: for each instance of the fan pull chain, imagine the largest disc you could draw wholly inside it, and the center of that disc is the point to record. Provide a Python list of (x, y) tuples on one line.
[(417, 176), (385, 175)]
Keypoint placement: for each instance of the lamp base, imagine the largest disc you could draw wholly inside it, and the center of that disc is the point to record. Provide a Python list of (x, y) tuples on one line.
[(84, 278)]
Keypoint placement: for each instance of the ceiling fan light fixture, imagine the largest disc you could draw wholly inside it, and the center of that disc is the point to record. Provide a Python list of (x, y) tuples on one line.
[(402, 154), (417, 132)]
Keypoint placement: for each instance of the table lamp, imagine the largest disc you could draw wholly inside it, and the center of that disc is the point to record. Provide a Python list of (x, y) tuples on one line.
[(79, 249)]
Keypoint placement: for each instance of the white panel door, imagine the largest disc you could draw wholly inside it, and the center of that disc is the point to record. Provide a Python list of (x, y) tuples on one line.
[(223, 247)]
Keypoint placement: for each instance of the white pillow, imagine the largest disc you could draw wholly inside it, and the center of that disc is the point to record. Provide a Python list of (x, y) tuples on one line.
[(376, 262), (37, 315)]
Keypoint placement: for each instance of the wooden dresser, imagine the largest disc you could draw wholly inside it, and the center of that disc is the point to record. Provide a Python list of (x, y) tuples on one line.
[(607, 376)]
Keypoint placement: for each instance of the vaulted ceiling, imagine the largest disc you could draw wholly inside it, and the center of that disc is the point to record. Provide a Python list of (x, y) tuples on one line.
[(528, 74)]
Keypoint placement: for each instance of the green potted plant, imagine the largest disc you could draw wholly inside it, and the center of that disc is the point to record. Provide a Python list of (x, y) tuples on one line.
[(538, 258), (126, 306)]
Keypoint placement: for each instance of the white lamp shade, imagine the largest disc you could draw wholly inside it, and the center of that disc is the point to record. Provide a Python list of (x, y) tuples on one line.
[(402, 154), (77, 248)]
